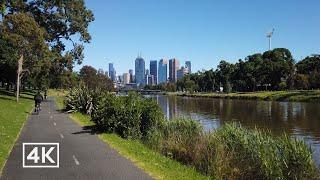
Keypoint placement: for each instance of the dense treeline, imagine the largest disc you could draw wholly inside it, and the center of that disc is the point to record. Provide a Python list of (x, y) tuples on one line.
[(231, 152), (34, 36), (272, 70)]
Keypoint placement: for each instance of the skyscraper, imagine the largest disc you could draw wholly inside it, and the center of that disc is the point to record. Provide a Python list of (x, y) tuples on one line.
[(140, 70), (131, 75), (188, 66), (181, 72), (173, 67), (162, 71), (154, 70), (126, 78), (112, 73)]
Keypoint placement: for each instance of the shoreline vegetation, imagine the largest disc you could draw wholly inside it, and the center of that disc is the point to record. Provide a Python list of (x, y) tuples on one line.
[(13, 115), (229, 152), (291, 96), (153, 163)]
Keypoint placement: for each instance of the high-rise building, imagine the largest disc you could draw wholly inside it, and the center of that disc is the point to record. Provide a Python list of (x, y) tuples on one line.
[(126, 78), (188, 66), (140, 70), (100, 71), (173, 67), (154, 70), (131, 76), (181, 72), (163, 71), (112, 72)]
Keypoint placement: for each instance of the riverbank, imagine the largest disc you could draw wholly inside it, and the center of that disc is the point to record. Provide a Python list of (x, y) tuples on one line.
[(294, 96), (12, 117), (155, 164), (231, 151)]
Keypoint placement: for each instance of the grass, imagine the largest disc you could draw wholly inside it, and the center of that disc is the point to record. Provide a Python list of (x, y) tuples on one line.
[(12, 117), (296, 95), (155, 164)]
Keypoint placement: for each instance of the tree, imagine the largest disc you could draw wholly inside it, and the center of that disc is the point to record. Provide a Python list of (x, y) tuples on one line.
[(62, 22), (92, 79), (27, 39)]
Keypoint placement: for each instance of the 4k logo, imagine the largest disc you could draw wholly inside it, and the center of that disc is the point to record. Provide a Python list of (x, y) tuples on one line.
[(40, 155)]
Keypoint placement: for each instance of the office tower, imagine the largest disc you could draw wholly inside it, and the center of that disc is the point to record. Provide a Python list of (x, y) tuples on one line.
[(181, 72), (112, 74), (126, 78), (131, 76), (100, 71), (173, 67), (106, 73), (188, 66), (140, 70), (162, 71), (154, 70)]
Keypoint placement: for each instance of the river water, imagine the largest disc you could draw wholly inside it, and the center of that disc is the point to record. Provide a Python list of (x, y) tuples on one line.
[(301, 120)]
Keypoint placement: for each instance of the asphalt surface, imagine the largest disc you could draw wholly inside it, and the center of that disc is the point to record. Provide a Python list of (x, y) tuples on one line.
[(82, 154)]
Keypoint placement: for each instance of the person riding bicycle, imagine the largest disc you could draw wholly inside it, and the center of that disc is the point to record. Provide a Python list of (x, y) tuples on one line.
[(38, 98), (45, 94)]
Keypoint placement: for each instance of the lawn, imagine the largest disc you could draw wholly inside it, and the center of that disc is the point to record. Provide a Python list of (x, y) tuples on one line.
[(153, 163), (294, 95), (12, 117)]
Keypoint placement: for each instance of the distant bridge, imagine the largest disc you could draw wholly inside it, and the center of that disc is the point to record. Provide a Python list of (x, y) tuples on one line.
[(141, 91)]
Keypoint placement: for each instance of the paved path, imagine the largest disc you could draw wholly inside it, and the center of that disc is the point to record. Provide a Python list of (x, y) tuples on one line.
[(82, 155)]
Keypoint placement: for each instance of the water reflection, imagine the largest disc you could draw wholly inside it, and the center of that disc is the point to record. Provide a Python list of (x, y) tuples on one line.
[(301, 120)]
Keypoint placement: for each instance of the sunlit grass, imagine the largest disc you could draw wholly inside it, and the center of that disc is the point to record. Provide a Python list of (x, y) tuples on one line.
[(301, 96), (12, 117)]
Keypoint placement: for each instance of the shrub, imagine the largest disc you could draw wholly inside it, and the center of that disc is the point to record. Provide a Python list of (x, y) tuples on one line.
[(152, 117), (79, 99), (105, 112)]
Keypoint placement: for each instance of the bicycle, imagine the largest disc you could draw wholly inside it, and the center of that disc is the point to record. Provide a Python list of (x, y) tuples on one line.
[(37, 108)]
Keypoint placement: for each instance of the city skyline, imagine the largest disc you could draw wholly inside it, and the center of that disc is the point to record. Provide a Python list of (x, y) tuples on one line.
[(210, 31)]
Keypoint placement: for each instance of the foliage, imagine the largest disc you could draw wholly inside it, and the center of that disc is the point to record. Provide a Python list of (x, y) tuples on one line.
[(39, 30), (271, 70), (228, 152), (94, 79), (79, 99)]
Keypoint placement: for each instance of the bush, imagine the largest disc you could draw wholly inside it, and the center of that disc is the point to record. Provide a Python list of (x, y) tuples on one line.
[(231, 152), (79, 99)]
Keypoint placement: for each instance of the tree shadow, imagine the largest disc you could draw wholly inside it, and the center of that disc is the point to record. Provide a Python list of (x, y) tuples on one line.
[(92, 130)]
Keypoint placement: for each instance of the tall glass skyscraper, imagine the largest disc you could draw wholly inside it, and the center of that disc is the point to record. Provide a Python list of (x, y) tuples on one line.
[(154, 71), (162, 71), (188, 66), (173, 68), (112, 73), (140, 70)]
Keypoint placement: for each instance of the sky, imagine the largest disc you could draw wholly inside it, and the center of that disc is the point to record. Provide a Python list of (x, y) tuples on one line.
[(201, 31)]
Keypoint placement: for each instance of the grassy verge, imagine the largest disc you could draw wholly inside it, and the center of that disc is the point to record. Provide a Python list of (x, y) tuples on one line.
[(155, 164), (12, 117), (297, 96)]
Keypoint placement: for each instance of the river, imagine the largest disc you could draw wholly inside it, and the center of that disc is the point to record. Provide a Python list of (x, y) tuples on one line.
[(297, 119)]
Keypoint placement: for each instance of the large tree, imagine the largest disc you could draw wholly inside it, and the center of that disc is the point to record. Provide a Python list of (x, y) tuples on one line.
[(26, 37)]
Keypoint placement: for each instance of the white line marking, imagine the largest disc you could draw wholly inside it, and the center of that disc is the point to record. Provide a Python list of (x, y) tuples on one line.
[(51, 117), (54, 123), (75, 160), (61, 135)]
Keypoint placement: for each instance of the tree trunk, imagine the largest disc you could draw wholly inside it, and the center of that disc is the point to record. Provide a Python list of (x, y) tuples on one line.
[(18, 76)]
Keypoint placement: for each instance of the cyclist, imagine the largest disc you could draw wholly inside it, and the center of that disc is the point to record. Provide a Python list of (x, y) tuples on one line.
[(38, 98), (45, 94)]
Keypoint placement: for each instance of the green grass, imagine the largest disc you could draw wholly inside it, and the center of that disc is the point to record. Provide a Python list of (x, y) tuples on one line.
[(153, 163), (297, 96), (12, 117)]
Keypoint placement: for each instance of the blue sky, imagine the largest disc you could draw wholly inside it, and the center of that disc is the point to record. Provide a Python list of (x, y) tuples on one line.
[(202, 31)]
